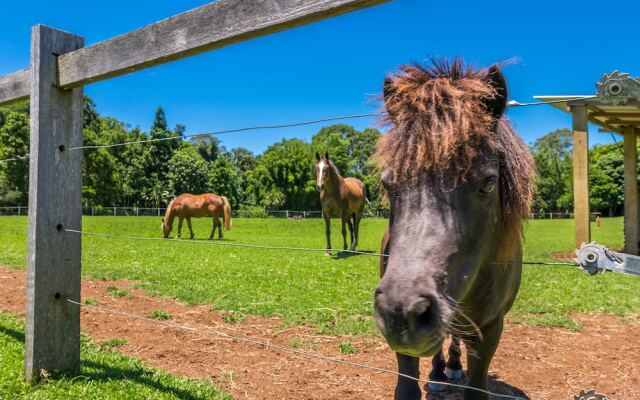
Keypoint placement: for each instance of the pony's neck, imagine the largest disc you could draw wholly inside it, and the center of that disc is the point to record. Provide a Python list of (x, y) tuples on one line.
[(335, 180)]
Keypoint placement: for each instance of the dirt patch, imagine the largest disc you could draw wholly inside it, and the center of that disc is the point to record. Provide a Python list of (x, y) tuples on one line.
[(533, 362)]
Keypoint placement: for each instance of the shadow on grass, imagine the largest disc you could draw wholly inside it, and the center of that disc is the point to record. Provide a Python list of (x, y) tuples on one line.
[(142, 376), (12, 333), (347, 254), (107, 373)]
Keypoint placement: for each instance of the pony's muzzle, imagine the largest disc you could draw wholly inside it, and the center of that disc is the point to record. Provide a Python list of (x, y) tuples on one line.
[(409, 323), (320, 186)]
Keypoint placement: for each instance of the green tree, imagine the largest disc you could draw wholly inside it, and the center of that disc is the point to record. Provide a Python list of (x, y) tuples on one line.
[(552, 153), (225, 179), (188, 172), (14, 142), (286, 167)]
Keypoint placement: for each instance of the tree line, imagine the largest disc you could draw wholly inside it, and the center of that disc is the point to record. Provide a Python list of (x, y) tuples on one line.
[(282, 177), (151, 174)]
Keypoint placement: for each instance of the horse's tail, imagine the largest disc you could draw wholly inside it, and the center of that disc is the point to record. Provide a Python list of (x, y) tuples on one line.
[(226, 208)]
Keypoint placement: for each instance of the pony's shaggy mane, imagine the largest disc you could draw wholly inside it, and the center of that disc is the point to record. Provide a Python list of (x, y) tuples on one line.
[(439, 124)]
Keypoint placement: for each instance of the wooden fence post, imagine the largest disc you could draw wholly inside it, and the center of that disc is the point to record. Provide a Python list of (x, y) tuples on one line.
[(52, 337), (581, 175)]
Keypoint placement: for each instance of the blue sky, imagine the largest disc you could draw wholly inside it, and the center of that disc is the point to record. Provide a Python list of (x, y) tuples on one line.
[(334, 67)]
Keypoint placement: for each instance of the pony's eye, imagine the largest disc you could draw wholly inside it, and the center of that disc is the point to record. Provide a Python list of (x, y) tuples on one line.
[(489, 185)]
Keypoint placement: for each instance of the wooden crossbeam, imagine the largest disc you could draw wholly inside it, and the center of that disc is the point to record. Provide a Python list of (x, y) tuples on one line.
[(202, 29), (15, 87)]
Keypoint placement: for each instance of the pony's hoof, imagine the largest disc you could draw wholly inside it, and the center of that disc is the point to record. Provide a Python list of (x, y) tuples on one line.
[(436, 387), (454, 374), (328, 254)]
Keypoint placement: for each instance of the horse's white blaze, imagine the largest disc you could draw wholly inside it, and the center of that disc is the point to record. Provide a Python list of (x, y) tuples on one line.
[(322, 168)]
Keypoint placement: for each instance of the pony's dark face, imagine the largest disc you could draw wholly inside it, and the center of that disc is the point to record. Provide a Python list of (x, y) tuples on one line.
[(444, 227), (439, 239), (322, 170)]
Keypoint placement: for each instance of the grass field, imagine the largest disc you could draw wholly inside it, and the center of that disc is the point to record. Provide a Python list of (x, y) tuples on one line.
[(104, 375), (333, 294)]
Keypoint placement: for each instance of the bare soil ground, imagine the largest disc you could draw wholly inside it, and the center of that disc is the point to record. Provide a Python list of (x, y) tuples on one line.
[(532, 362)]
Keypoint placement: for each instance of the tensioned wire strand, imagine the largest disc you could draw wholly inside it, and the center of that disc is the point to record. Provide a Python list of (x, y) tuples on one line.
[(245, 129), (284, 248), (267, 247), (266, 344), (512, 103)]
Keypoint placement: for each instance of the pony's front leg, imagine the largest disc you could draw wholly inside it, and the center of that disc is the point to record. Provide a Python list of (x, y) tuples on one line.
[(406, 388), (327, 230), (179, 227), (437, 374), (453, 369), (478, 359), (350, 224), (190, 228)]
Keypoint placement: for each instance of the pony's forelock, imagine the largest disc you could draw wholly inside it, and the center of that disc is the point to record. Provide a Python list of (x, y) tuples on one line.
[(439, 123)]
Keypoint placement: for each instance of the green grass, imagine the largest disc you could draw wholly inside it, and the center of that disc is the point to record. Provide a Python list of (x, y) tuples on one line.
[(347, 348), (103, 375), (332, 294), (159, 314)]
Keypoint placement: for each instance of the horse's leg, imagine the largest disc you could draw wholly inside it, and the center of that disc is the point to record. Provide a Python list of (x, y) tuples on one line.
[(179, 227), (213, 229), (327, 230), (219, 227), (453, 368), (190, 228), (343, 220), (357, 217), (478, 359), (437, 374), (408, 389), (350, 232)]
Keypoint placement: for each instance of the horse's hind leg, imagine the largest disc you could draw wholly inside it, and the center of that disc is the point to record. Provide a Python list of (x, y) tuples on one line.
[(344, 220), (350, 233), (356, 230), (408, 389), (437, 374), (453, 369), (190, 228), (219, 225)]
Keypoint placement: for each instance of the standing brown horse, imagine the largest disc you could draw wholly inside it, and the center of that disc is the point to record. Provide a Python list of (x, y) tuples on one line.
[(345, 196), (460, 183), (189, 205)]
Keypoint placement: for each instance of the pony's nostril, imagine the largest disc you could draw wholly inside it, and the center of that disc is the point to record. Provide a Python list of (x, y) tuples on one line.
[(421, 313)]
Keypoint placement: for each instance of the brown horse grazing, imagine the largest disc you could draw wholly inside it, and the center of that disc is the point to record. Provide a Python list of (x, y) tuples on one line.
[(189, 205), (345, 196), (460, 183)]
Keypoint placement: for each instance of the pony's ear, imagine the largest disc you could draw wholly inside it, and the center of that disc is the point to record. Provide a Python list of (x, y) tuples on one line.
[(317, 156), (326, 155), (497, 104), (388, 93)]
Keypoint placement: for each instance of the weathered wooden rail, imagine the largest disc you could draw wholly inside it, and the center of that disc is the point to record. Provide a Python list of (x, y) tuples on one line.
[(60, 66)]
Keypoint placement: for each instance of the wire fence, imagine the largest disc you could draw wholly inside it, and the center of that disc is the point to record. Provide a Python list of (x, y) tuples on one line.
[(511, 103), (265, 344)]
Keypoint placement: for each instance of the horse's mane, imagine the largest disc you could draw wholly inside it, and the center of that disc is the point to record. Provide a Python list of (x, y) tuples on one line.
[(168, 213), (439, 124)]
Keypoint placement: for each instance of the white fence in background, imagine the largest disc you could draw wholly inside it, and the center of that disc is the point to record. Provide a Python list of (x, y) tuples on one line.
[(159, 212)]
